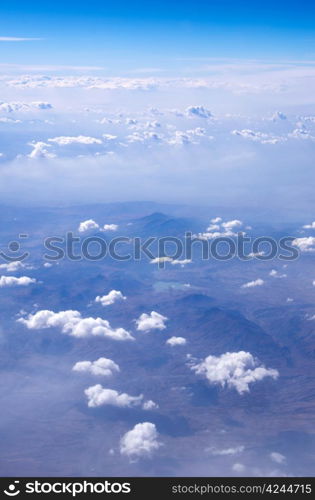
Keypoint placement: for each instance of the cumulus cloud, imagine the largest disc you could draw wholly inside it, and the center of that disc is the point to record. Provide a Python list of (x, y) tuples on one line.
[(80, 139), (109, 299), (231, 224), (71, 323), (278, 115), (198, 112), (172, 341), (40, 150), (141, 441), (150, 405), (238, 468), (88, 225), (11, 107), (110, 227), (275, 274), (310, 226), (7, 281), (217, 229), (252, 284), (305, 244), (101, 367), (277, 457), (152, 321), (233, 370), (261, 137), (11, 267), (97, 395)]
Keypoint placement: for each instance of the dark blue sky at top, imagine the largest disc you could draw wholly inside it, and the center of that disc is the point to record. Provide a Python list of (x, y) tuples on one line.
[(153, 33)]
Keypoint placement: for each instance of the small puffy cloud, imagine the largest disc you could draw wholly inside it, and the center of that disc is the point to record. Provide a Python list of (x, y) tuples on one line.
[(275, 274), (226, 451), (150, 405), (238, 468), (80, 139), (71, 323), (101, 367), (233, 370), (11, 267), (261, 137), (88, 225), (40, 150), (109, 299), (310, 226), (172, 341), (198, 112), (277, 457), (278, 115), (152, 321), (141, 441), (110, 227), (306, 244), (41, 105), (217, 229), (13, 281), (13, 107), (232, 224), (252, 284), (98, 396)]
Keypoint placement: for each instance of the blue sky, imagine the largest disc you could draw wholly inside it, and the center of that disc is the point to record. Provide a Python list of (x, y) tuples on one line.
[(128, 36)]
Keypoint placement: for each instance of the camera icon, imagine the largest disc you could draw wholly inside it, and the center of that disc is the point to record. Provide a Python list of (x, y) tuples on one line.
[(12, 489)]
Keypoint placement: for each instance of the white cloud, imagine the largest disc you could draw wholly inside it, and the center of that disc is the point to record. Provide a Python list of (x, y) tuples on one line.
[(181, 262), (305, 244), (275, 274), (112, 297), (13, 281), (261, 137), (141, 441), (98, 396), (231, 224), (110, 227), (277, 457), (40, 150), (226, 451), (217, 229), (152, 321), (16, 106), (160, 260), (103, 366), (87, 225), (11, 267), (198, 112), (71, 323), (233, 369), (176, 341), (17, 39), (239, 468), (150, 405), (278, 115), (80, 139), (251, 284)]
